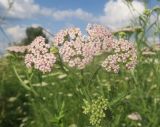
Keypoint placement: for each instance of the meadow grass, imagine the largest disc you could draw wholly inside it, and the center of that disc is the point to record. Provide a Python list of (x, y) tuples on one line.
[(60, 95)]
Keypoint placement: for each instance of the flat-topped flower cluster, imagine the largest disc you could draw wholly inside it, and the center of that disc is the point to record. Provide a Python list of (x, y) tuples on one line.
[(66, 35), (100, 37), (76, 53), (38, 55), (124, 53)]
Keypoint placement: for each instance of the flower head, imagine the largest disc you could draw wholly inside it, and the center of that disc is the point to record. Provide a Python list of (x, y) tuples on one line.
[(124, 53), (98, 31), (100, 37), (66, 35), (39, 56), (76, 53)]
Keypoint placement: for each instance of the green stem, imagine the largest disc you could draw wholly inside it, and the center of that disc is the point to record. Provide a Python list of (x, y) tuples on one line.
[(135, 80), (23, 84), (100, 84), (83, 86), (61, 64), (21, 81), (82, 77), (70, 75), (40, 80), (30, 84), (94, 75)]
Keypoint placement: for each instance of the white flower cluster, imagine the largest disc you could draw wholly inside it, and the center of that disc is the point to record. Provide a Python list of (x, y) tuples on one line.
[(66, 35), (124, 54), (38, 55), (100, 37), (76, 53), (78, 50)]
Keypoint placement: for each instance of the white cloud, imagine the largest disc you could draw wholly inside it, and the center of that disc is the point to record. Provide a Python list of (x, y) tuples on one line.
[(21, 8), (35, 25), (17, 33), (4, 3), (78, 13), (29, 9), (118, 14)]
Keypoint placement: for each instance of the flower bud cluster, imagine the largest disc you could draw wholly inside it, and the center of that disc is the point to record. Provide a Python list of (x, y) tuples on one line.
[(39, 56), (95, 110), (124, 53)]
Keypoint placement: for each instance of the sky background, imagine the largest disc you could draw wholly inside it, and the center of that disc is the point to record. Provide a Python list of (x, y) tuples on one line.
[(57, 14)]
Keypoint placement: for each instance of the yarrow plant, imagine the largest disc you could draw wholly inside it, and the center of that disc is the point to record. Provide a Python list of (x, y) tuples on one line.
[(78, 51), (38, 55)]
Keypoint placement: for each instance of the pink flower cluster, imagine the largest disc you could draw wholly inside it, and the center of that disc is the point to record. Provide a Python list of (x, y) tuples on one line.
[(76, 53), (38, 55), (66, 35), (78, 50), (100, 37), (124, 53), (17, 49), (98, 31)]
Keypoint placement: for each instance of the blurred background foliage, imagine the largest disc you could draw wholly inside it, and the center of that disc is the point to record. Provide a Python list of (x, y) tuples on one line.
[(32, 33)]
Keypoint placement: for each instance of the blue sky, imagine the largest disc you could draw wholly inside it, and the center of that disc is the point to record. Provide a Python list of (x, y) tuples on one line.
[(93, 6), (56, 14)]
